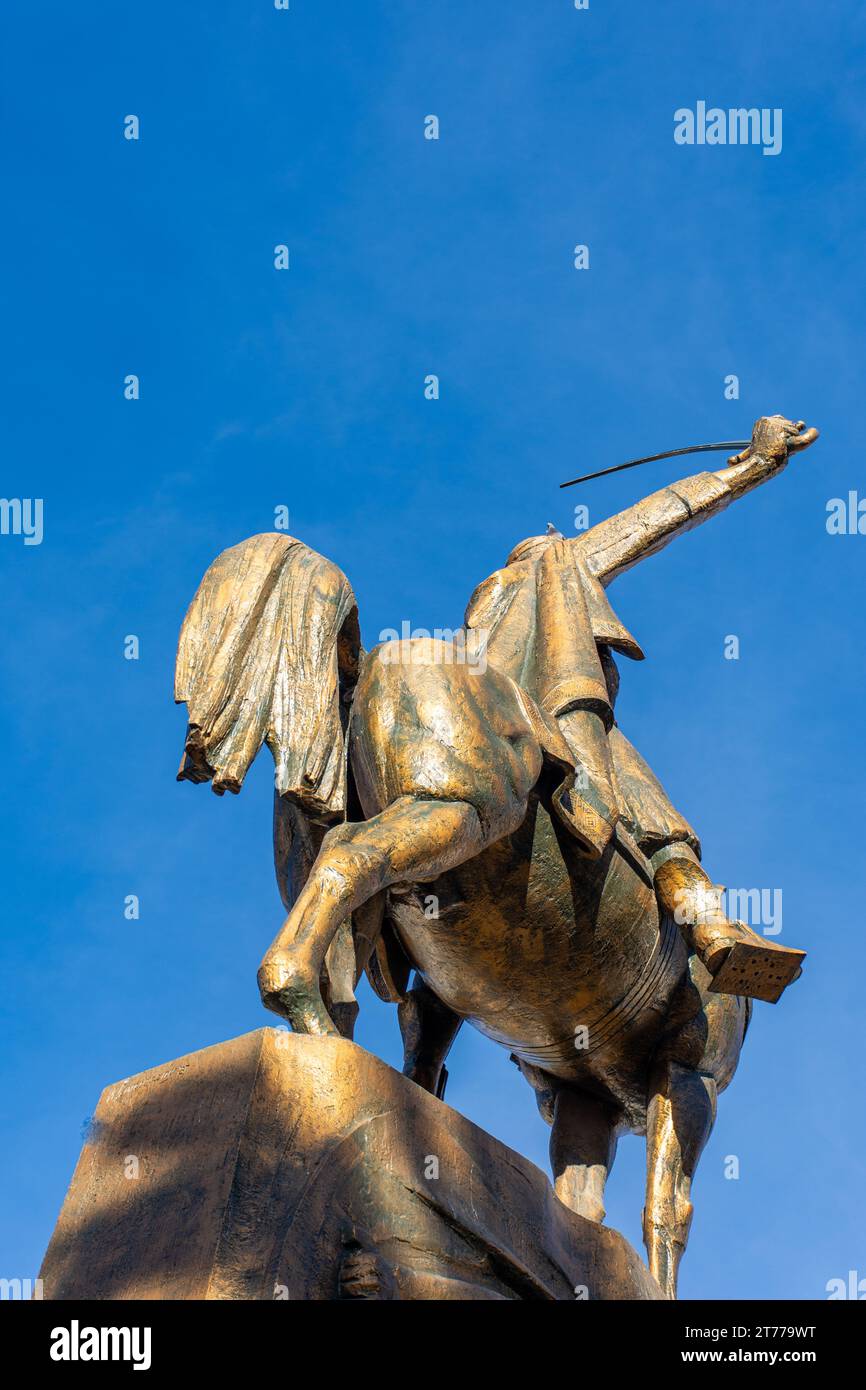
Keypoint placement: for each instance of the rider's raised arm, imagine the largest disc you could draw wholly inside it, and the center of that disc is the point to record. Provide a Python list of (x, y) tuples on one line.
[(615, 545)]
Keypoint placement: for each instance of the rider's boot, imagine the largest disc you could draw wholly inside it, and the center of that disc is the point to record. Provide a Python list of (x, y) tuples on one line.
[(738, 959)]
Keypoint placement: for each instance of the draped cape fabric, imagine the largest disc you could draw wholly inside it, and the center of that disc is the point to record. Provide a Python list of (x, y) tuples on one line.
[(544, 618), (268, 645)]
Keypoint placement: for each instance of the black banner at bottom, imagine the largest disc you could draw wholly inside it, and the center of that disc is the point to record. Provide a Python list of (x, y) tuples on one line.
[(226, 1338)]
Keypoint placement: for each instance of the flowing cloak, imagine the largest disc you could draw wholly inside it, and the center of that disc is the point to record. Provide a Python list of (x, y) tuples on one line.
[(543, 619), (269, 647)]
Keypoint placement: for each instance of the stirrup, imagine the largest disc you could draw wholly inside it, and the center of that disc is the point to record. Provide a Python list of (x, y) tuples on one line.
[(758, 969)]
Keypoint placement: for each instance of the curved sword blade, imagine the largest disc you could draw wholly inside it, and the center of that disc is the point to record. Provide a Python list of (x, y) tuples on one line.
[(653, 458)]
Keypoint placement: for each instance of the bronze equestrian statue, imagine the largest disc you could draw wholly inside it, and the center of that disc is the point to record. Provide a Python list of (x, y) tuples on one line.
[(467, 809)]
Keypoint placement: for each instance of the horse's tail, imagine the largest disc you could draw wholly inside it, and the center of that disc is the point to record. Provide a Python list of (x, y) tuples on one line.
[(269, 653)]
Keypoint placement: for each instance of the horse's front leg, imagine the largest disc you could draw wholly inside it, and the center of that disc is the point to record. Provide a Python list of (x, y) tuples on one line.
[(680, 1117), (411, 840)]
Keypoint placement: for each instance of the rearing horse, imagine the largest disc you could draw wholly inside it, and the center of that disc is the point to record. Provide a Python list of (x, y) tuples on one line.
[(469, 810)]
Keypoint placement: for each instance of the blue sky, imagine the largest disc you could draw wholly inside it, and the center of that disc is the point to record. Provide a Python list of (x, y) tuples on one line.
[(304, 388)]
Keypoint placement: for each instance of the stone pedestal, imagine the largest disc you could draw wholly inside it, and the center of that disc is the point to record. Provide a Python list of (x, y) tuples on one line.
[(282, 1166)]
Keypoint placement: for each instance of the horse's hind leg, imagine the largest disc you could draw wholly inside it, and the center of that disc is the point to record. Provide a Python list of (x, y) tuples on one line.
[(582, 1149), (412, 840), (428, 1028), (680, 1117)]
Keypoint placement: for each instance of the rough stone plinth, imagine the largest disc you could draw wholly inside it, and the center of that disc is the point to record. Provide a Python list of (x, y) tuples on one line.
[(282, 1166)]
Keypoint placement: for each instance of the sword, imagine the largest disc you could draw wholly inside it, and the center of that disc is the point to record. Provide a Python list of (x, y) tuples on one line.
[(653, 458)]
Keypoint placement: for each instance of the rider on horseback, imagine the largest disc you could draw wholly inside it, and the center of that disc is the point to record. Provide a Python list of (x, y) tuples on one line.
[(550, 627), (510, 791), (270, 652)]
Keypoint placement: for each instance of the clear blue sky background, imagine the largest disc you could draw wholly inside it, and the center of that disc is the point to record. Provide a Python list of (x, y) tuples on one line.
[(305, 388)]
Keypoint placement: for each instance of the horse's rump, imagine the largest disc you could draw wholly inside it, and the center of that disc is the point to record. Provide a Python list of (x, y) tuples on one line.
[(427, 724)]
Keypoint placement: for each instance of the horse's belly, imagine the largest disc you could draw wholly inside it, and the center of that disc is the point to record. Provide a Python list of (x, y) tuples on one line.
[(556, 958)]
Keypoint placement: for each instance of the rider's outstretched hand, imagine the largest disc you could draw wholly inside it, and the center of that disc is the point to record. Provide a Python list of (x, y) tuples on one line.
[(774, 438), (773, 441)]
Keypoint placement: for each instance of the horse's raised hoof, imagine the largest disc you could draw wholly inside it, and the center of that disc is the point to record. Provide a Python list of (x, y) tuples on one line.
[(295, 997), (748, 965)]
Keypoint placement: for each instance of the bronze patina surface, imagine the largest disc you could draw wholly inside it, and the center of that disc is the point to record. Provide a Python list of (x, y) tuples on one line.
[(469, 810), (278, 1167)]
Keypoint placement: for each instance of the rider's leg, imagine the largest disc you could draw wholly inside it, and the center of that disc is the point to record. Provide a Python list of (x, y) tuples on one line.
[(428, 1028), (680, 1116), (582, 1149), (740, 961), (411, 840)]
